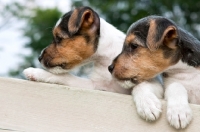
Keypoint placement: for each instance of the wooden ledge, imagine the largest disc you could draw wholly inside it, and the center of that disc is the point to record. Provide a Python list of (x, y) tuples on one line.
[(40, 107)]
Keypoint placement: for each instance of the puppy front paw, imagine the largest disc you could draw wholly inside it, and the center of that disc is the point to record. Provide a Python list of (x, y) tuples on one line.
[(29, 73), (179, 116), (34, 74), (148, 107)]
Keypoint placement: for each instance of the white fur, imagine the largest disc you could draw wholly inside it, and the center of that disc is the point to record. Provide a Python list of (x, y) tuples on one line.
[(110, 45), (58, 22), (181, 87), (146, 96), (127, 84)]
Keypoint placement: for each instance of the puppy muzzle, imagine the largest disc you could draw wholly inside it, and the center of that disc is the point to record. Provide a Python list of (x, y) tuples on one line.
[(41, 55)]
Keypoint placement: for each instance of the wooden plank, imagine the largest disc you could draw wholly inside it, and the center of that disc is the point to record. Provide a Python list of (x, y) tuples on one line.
[(39, 107)]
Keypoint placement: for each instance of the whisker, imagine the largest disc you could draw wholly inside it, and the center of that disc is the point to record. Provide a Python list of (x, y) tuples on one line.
[(49, 28)]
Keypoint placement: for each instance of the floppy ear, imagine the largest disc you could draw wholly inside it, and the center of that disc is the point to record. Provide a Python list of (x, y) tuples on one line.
[(82, 18), (162, 32), (190, 48)]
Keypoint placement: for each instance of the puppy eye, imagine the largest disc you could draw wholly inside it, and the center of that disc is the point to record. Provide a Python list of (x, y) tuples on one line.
[(130, 47), (58, 39), (133, 46)]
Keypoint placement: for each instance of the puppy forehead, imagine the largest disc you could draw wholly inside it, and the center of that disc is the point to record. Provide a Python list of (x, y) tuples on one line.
[(130, 38), (139, 25), (134, 39), (144, 23), (62, 24), (57, 31), (139, 30)]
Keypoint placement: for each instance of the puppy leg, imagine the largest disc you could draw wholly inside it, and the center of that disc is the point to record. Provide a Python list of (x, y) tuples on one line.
[(40, 75), (146, 96), (179, 113)]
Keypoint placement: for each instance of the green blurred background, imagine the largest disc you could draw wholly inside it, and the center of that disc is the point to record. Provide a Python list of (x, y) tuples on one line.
[(38, 21)]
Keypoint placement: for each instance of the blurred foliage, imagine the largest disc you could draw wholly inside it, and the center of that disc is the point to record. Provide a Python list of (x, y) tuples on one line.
[(14, 10), (120, 13), (39, 32), (28, 62)]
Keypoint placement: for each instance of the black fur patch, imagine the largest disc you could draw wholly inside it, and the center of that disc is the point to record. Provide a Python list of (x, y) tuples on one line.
[(140, 28), (64, 22), (169, 53), (190, 48)]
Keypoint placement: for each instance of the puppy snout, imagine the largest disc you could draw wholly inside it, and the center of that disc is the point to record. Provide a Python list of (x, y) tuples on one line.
[(110, 68), (41, 55), (40, 58)]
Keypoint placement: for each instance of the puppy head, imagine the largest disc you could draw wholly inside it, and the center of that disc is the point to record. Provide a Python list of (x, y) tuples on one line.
[(75, 39), (151, 46)]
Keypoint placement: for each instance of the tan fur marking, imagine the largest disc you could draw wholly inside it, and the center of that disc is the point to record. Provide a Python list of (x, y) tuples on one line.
[(87, 19), (170, 37), (131, 38), (70, 51), (76, 50), (151, 43), (58, 32), (72, 20)]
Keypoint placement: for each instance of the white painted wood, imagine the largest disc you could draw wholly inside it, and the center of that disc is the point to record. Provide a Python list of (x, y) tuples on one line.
[(27, 106)]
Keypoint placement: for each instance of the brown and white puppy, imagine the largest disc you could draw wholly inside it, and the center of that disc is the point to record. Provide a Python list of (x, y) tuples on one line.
[(155, 45), (80, 37)]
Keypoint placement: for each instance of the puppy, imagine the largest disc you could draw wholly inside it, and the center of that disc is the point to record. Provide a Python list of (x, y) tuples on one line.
[(80, 37), (155, 45)]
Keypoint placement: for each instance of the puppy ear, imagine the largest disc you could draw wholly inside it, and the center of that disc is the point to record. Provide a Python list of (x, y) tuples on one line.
[(162, 31), (190, 48), (81, 18)]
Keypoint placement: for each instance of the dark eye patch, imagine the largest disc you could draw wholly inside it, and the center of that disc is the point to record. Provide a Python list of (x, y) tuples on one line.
[(133, 46), (130, 47), (58, 39)]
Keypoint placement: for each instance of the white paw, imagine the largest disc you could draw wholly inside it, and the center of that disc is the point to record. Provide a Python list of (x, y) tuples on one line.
[(148, 107), (34, 74), (29, 73), (179, 116)]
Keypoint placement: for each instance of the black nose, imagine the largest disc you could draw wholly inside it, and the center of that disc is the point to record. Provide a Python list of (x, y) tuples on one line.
[(40, 58), (110, 68), (41, 54)]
